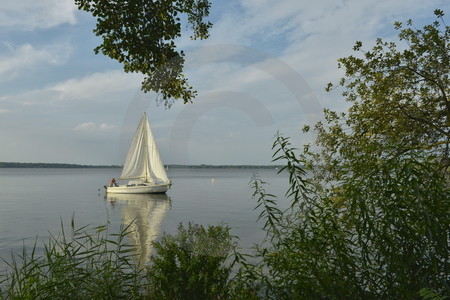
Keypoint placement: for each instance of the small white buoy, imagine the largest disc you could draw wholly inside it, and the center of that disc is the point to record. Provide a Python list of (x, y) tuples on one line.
[(212, 180)]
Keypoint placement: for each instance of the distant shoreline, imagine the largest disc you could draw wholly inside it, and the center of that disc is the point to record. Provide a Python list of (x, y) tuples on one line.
[(52, 165), (224, 166), (174, 166)]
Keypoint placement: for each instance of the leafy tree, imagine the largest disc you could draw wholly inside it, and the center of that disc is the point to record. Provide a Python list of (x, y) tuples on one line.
[(141, 35), (369, 217), (400, 97)]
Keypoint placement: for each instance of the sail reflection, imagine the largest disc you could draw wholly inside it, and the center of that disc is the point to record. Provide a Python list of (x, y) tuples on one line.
[(144, 214)]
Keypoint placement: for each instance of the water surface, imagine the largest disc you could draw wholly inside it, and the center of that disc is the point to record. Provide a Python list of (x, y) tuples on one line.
[(33, 202)]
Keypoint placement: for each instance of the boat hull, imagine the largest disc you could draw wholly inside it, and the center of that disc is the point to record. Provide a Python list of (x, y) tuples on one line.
[(138, 189)]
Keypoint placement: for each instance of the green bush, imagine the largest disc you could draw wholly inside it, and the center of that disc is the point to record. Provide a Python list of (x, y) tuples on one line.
[(194, 264), (382, 235)]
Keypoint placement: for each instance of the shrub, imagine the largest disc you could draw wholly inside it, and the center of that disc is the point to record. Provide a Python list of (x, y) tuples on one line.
[(192, 264)]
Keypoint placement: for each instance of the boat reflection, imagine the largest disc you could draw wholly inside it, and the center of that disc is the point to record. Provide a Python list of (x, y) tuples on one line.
[(144, 214)]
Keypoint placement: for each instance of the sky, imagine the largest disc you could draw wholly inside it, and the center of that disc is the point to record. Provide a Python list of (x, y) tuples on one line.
[(262, 71)]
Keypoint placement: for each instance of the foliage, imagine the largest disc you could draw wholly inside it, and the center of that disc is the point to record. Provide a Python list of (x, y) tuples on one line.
[(192, 264), (370, 205), (399, 98), (428, 294), (381, 235), (84, 265), (141, 35)]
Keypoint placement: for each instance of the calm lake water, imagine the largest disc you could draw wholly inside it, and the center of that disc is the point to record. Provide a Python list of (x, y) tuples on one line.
[(33, 202)]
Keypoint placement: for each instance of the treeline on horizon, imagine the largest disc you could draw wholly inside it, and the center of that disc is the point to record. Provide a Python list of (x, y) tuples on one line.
[(51, 165), (203, 166), (175, 166)]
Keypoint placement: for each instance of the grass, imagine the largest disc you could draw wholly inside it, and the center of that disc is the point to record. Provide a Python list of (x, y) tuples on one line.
[(91, 263), (86, 263)]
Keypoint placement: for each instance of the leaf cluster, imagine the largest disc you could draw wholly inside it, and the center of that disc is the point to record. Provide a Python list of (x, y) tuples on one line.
[(379, 233), (141, 35), (192, 264), (399, 95)]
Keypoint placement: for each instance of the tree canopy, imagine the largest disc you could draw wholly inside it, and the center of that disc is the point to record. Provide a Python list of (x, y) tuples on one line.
[(399, 96), (370, 199), (141, 35)]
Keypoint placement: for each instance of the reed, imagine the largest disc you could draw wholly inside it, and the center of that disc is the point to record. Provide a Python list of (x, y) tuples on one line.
[(86, 263), (91, 263)]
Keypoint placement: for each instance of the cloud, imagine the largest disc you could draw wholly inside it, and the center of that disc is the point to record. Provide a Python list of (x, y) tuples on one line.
[(310, 37), (33, 14), (301, 18), (91, 96), (234, 134), (26, 56), (93, 127), (77, 107), (299, 26), (96, 86)]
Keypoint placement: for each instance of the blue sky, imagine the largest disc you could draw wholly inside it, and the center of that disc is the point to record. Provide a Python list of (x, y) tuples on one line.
[(263, 70)]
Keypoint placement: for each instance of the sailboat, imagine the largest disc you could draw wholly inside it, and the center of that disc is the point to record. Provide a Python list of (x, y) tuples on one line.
[(143, 167)]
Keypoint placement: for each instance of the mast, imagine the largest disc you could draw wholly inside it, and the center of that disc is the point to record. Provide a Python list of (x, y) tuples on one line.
[(146, 148)]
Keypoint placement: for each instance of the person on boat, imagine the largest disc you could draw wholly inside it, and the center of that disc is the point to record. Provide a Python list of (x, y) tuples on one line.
[(113, 182)]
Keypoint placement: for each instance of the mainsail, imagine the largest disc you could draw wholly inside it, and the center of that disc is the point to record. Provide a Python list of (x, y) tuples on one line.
[(143, 160)]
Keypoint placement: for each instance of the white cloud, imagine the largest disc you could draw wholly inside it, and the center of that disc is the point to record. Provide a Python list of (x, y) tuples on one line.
[(309, 37), (33, 14), (93, 127), (303, 18), (105, 126), (299, 26), (26, 56), (96, 86), (234, 134), (87, 96), (87, 126)]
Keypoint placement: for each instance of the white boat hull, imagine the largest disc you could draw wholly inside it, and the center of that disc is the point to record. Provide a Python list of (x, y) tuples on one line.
[(138, 189)]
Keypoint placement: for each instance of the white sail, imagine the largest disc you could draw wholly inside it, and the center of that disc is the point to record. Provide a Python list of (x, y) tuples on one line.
[(143, 160)]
